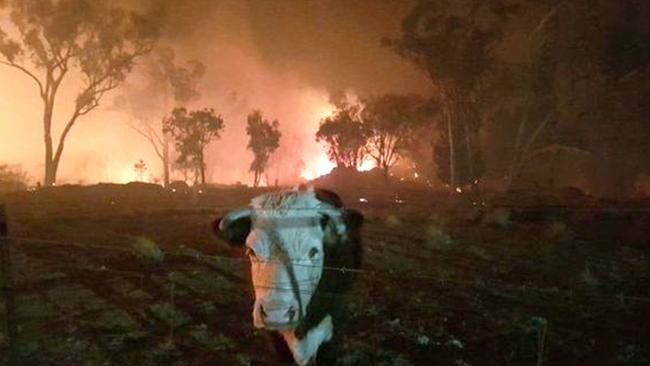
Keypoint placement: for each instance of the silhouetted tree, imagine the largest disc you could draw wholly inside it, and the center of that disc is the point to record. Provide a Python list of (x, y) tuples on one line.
[(264, 139), (166, 83), (140, 167), (386, 121), (343, 133), (54, 37), (453, 42), (192, 132)]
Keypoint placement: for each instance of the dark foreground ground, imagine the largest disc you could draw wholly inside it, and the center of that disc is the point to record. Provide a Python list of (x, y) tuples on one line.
[(117, 275)]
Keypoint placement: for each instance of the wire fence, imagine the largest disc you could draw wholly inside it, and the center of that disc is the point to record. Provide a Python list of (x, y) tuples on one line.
[(371, 273), (523, 293)]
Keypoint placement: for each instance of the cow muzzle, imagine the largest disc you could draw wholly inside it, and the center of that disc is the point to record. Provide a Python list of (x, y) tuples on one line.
[(276, 316)]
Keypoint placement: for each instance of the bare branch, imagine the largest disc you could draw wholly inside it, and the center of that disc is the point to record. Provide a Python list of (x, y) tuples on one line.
[(535, 134), (29, 73), (554, 148), (542, 22), (149, 135)]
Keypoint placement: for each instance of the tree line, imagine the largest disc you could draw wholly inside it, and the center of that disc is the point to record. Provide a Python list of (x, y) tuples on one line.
[(103, 43), (527, 92)]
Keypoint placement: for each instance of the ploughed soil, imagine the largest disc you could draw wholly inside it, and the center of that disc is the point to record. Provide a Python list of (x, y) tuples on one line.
[(130, 275)]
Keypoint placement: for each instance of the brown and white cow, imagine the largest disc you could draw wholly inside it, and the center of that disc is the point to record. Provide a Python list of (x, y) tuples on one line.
[(295, 239)]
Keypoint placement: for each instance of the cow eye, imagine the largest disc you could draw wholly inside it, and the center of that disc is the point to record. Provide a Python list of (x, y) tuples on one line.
[(313, 252)]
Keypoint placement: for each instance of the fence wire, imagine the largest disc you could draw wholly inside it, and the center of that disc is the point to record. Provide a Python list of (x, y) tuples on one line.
[(524, 294)]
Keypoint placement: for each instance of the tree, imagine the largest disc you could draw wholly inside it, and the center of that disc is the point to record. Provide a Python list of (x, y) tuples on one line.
[(264, 139), (166, 83), (454, 42), (54, 37), (343, 133), (193, 131), (140, 167), (386, 122)]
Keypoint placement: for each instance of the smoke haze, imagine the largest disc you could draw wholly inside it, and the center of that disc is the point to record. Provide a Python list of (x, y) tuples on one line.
[(286, 58)]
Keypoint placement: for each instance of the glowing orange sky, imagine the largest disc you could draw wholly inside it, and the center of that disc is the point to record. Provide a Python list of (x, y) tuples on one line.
[(286, 73)]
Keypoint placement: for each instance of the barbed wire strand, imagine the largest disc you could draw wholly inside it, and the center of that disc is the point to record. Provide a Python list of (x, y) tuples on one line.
[(344, 270)]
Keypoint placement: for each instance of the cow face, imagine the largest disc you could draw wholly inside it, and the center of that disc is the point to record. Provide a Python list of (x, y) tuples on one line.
[(285, 236)]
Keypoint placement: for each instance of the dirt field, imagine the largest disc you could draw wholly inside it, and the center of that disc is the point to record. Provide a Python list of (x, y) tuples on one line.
[(116, 275)]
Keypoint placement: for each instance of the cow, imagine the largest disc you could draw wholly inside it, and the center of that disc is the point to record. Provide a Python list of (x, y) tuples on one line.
[(304, 249)]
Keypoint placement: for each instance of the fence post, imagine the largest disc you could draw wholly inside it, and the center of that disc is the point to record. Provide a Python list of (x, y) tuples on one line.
[(7, 319)]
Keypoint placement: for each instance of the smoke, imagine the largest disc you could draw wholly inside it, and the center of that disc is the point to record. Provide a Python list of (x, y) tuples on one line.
[(289, 59)]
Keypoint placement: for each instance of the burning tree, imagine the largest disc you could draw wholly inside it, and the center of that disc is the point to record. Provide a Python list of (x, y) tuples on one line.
[(387, 121), (264, 139), (344, 135), (100, 42), (193, 131), (166, 82)]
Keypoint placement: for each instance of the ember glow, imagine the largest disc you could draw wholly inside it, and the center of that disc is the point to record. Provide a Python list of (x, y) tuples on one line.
[(317, 167)]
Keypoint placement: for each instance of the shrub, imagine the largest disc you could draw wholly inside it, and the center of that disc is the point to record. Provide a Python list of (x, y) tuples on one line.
[(12, 179), (438, 239), (147, 251), (498, 217), (393, 221), (559, 231)]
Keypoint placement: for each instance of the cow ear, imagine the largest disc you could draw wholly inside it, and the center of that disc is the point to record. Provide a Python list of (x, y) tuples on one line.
[(234, 227), (352, 219), (327, 196)]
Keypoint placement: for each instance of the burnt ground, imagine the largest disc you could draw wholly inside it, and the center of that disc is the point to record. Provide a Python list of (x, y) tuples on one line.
[(446, 280)]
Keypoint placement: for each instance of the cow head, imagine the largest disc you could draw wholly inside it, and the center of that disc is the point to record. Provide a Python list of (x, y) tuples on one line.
[(286, 235)]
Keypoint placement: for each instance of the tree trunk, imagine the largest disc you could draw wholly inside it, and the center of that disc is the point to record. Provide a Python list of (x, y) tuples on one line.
[(50, 170), (165, 161), (470, 158), (452, 157), (256, 178), (202, 171)]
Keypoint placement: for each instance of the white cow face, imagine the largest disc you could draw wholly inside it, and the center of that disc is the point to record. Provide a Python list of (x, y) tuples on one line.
[(285, 237), (286, 267)]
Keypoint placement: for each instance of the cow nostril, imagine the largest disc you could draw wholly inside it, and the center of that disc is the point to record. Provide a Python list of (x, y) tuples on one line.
[(262, 312), (291, 313)]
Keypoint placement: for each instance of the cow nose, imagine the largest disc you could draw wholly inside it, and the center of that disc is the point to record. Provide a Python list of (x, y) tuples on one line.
[(262, 312), (277, 315)]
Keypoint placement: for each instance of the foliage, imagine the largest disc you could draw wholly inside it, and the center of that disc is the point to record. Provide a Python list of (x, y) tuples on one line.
[(453, 43), (344, 135), (387, 122), (437, 239), (500, 217), (193, 131), (165, 81), (146, 250), (545, 84), (12, 179), (219, 342), (99, 41), (169, 314), (181, 83), (559, 231), (264, 139)]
